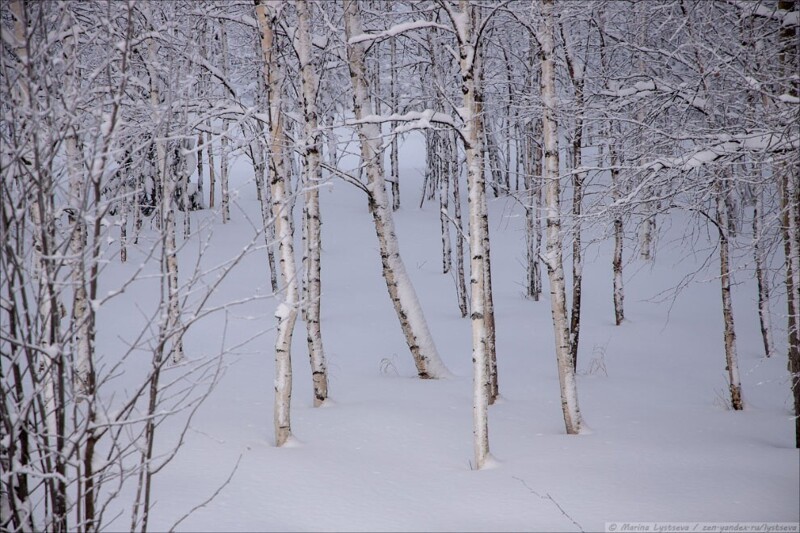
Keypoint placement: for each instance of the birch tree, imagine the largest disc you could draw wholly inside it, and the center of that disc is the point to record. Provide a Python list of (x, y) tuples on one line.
[(554, 255), (268, 14), (576, 70), (312, 178), (401, 291)]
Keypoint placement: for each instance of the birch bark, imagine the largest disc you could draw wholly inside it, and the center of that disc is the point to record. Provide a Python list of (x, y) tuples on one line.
[(224, 153), (268, 13), (312, 222), (731, 359), (554, 259), (401, 290), (465, 25)]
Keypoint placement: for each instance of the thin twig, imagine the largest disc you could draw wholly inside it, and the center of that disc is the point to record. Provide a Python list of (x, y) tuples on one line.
[(547, 496), (210, 498)]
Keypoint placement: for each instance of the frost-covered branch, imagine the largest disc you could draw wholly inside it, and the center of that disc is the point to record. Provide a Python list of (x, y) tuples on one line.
[(397, 30), (727, 146), (758, 9), (644, 88)]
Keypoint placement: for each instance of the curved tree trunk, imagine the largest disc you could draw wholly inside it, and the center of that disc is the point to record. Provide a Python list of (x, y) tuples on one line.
[(401, 290)]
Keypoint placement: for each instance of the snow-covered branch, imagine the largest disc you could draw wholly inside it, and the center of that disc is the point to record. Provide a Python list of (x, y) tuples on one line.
[(758, 9), (727, 146), (643, 88), (413, 119), (397, 30)]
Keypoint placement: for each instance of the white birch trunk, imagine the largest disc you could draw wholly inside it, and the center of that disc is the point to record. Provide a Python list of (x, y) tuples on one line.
[(531, 211), (476, 189), (223, 173), (647, 227), (488, 302), (312, 222), (212, 175), (332, 141), (286, 313), (764, 314), (731, 359), (401, 290), (461, 285), (394, 154), (259, 151), (616, 263), (577, 208), (167, 214), (554, 259), (125, 207), (265, 201), (443, 162), (77, 245), (200, 171)]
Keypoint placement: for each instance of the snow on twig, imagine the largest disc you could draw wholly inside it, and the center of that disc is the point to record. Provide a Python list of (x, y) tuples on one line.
[(420, 119), (729, 145), (757, 9), (396, 30), (654, 85)]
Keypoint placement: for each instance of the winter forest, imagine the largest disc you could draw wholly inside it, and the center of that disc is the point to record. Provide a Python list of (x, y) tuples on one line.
[(368, 265)]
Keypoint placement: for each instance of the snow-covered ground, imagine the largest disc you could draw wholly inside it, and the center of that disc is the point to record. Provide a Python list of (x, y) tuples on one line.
[(391, 452)]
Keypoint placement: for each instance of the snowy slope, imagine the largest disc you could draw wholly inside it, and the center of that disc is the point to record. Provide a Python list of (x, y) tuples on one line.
[(391, 452)]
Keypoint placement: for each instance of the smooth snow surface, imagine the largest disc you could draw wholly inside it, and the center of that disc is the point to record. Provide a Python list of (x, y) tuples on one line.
[(390, 452)]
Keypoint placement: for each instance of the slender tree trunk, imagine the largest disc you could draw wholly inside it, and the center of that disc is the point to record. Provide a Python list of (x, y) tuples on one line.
[(510, 119), (531, 168), (790, 220), (555, 264), (531, 212), (166, 183), (212, 176), (263, 192), (312, 227), (575, 68), (790, 214), (538, 184), (764, 314), (401, 290), (619, 294), (38, 193), (577, 208), (265, 201), (731, 359), (223, 172), (124, 207), (472, 133), (488, 302), (200, 173), (461, 286), (186, 206), (332, 141), (395, 145), (286, 312), (77, 246), (50, 365), (443, 162)]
